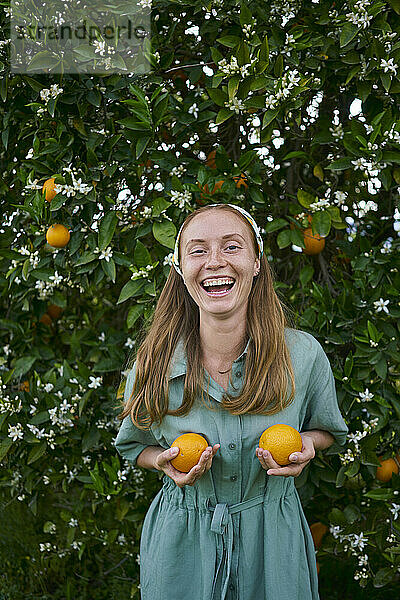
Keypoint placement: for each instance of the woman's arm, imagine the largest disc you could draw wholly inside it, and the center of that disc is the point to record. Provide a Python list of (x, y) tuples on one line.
[(147, 457), (321, 439)]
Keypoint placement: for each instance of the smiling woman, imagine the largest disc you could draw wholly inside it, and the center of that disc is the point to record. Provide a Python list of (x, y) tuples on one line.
[(221, 361)]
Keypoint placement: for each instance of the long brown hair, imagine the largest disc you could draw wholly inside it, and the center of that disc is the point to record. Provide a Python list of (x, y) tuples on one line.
[(176, 316)]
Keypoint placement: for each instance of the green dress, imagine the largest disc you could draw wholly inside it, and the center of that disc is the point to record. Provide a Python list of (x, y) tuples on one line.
[(238, 533)]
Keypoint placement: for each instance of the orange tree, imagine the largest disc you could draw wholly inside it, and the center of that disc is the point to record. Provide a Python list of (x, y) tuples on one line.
[(299, 102)]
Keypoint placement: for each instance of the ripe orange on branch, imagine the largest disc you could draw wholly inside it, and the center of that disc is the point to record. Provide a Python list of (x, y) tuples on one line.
[(49, 188), (318, 530), (54, 311), (314, 243), (210, 162), (205, 189), (191, 446), (240, 180), (386, 469), (281, 441), (57, 236), (46, 319)]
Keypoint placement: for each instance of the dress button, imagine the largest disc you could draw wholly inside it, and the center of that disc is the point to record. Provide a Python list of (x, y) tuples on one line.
[(233, 477), (238, 373), (232, 446)]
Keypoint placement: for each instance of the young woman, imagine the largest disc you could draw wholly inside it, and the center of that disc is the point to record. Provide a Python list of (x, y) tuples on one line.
[(222, 361)]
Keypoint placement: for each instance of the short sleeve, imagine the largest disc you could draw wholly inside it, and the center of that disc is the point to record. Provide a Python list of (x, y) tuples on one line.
[(131, 440), (322, 406)]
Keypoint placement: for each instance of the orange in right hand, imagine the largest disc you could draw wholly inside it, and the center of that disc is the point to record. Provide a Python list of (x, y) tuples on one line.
[(191, 446)]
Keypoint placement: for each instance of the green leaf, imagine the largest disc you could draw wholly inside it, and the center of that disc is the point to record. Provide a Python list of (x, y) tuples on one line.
[(135, 125), (58, 201), (341, 164), (5, 445), (304, 198), (348, 365), (233, 84), (217, 96), (349, 31), (37, 451), (23, 365), (284, 238), (380, 494), (142, 256), (275, 225), (245, 15), (43, 60), (269, 116), (321, 222), (278, 67), (165, 233), (107, 229), (141, 145), (131, 289), (229, 40), (381, 368), (337, 517), (109, 269), (223, 115), (385, 575), (85, 258), (386, 81), (90, 439), (306, 274), (134, 313), (264, 51), (395, 4)]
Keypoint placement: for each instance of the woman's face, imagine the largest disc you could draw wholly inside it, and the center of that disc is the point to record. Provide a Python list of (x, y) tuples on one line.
[(218, 245)]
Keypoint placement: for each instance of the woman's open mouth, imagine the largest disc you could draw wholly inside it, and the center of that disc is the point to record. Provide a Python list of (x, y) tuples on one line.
[(218, 288)]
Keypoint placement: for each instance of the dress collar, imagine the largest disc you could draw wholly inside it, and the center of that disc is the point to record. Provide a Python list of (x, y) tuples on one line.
[(178, 362)]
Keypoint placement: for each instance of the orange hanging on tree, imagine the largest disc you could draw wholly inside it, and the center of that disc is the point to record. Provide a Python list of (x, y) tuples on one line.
[(314, 243), (240, 180), (57, 236), (49, 189)]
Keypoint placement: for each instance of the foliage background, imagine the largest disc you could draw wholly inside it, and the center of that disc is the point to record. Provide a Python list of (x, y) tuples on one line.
[(270, 87)]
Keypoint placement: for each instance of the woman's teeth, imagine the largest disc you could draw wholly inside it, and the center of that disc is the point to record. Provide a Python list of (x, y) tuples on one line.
[(225, 288)]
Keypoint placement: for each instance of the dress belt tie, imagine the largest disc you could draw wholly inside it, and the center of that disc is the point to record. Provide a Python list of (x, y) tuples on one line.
[(222, 524)]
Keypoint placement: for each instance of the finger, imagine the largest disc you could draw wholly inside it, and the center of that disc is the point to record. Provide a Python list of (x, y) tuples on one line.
[(266, 458)]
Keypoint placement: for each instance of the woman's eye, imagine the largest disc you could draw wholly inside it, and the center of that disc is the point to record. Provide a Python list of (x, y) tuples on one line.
[(230, 246)]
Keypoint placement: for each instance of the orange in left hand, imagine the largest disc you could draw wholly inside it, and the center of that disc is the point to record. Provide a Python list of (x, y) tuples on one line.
[(294, 460)]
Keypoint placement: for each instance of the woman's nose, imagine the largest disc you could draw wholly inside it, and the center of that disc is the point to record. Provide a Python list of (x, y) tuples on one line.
[(214, 258)]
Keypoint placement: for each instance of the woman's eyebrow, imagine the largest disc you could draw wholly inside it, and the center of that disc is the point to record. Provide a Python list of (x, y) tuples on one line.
[(224, 237)]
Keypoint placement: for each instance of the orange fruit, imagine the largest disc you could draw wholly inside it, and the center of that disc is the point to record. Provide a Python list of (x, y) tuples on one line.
[(281, 440), (48, 188), (54, 311), (240, 180), (24, 386), (57, 236), (147, 164), (386, 470), (191, 446), (210, 162), (314, 243), (46, 319), (317, 568), (318, 530)]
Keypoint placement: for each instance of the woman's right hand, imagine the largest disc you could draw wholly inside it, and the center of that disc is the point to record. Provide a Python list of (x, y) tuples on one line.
[(163, 463)]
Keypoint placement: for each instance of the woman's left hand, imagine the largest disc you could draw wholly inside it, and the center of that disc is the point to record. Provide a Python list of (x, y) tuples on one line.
[(301, 459)]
